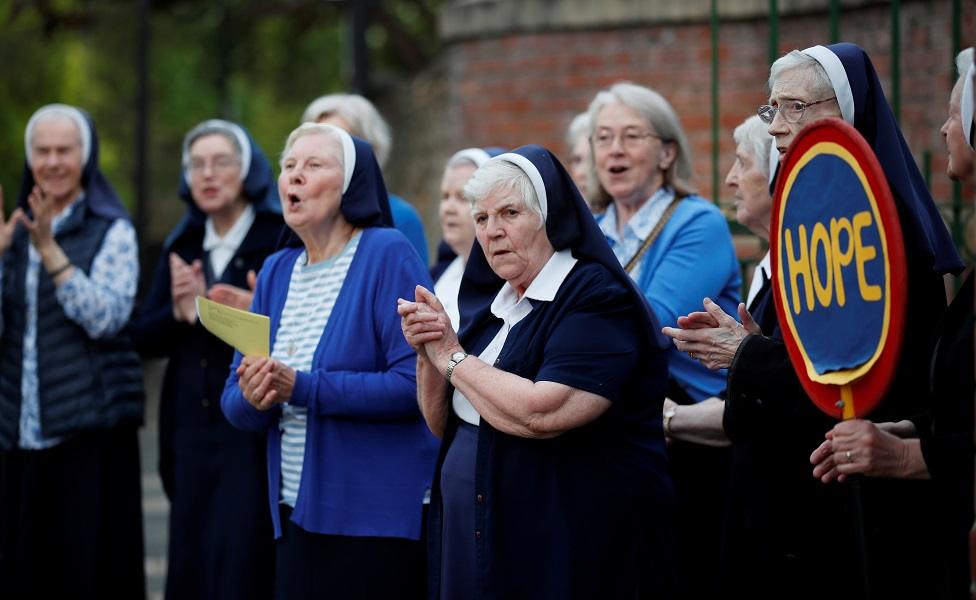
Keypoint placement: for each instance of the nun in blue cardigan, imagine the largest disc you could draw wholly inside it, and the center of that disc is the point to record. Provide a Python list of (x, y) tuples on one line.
[(349, 457), (552, 477), (219, 530)]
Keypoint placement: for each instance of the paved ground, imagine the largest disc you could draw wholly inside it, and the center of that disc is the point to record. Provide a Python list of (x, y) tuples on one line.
[(155, 507)]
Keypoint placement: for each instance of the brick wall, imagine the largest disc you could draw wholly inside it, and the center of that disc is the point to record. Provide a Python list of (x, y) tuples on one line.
[(525, 86)]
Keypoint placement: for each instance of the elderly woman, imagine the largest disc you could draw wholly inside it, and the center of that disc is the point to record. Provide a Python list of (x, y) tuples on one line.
[(358, 117), (784, 526), (457, 226), (749, 179), (939, 443), (71, 397), (673, 243), (552, 447), (349, 456), (219, 530), (578, 140)]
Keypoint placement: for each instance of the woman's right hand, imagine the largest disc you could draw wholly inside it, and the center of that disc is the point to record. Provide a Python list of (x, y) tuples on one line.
[(187, 283), (421, 323)]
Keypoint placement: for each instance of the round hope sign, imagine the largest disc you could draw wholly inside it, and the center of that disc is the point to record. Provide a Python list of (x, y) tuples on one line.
[(839, 279)]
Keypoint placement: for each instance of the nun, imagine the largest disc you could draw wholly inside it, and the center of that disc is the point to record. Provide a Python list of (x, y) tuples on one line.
[(212, 473), (548, 403), (349, 457), (786, 526), (71, 392)]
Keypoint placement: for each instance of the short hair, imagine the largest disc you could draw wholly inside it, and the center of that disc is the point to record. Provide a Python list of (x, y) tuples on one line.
[(964, 60), (798, 60), (210, 128), (658, 112), (754, 134), (499, 175), (307, 129), (59, 111), (362, 116), (578, 127)]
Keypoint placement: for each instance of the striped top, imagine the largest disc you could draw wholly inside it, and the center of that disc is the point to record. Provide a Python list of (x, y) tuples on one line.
[(312, 293)]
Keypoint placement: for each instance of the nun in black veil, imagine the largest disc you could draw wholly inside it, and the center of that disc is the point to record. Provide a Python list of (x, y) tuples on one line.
[(552, 469)]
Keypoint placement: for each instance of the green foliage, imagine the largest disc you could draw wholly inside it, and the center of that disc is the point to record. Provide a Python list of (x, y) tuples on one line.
[(254, 62)]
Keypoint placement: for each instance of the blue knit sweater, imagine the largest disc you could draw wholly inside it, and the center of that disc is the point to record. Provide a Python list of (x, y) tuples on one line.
[(369, 456)]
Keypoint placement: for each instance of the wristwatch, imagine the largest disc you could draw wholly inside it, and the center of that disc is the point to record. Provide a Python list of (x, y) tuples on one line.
[(456, 359), (668, 415)]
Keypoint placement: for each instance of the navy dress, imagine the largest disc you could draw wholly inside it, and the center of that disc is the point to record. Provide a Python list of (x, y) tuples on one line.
[(215, 476), (578, 515)]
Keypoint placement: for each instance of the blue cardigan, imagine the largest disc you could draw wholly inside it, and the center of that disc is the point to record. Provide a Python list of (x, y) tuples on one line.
[(369, 456), (692, 258)]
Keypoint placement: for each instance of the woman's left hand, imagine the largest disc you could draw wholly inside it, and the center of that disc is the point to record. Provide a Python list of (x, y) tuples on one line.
[(712, 338), (427, 326), (858, 446), (264, 381)]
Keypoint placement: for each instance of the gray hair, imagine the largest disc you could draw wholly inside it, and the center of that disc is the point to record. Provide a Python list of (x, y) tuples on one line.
[(362, 116), (798, 60), (225, 129), (754, 134), (659, 114), (502, 176), (578, 127), (307, 129)]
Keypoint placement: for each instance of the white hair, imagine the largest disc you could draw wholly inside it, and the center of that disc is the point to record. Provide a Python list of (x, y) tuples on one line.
[(659, 114), (347, 152), (578, 127), (795, 60), (469, 157), (62, 111), (362, 116), (754, 134), (502, 176)]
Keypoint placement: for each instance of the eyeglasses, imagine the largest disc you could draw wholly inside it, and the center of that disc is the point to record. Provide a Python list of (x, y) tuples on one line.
[(792, 111), (221, 163), (630, 138)]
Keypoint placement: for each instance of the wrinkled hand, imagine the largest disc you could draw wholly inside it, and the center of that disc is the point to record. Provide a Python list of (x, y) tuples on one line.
[(265, 382), (712, 337), (427, 326), (234, 296), (39, 224), (187, 282), (7, 227), (858, 446)]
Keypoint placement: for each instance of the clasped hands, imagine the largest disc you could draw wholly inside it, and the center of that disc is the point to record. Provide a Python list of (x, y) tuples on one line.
[(427, 327), (40, 229), (712, 337), (264, 381)]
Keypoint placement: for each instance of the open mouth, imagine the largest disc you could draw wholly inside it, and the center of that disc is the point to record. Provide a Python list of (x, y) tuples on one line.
[(617, 170), (293, 200)]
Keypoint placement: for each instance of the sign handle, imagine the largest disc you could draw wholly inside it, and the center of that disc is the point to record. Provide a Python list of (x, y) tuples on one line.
[(847, 402)]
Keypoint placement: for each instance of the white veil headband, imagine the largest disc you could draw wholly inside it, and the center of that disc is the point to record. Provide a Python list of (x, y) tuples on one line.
[(838, 79), (534, 176), (72, 113)]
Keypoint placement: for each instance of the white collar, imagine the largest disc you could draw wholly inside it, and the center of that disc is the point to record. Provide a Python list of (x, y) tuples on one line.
[(234, 236), (543, 287)]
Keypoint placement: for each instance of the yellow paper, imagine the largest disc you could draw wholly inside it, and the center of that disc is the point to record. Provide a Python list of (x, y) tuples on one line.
[(246, 331)]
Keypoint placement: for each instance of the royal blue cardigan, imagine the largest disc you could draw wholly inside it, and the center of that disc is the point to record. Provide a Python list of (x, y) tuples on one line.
[(692, 258), (369, 456)]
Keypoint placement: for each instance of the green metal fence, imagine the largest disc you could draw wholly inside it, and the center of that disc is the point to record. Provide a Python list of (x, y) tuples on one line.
[(957, 212)]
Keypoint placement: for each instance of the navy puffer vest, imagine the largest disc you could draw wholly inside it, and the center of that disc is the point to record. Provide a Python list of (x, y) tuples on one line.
[(83, 383)]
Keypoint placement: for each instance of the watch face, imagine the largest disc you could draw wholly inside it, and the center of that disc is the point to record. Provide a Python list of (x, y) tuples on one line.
[(458, 356)]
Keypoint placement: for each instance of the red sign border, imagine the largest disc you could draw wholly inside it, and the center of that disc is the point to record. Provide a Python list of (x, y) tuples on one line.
[(868, 390)]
